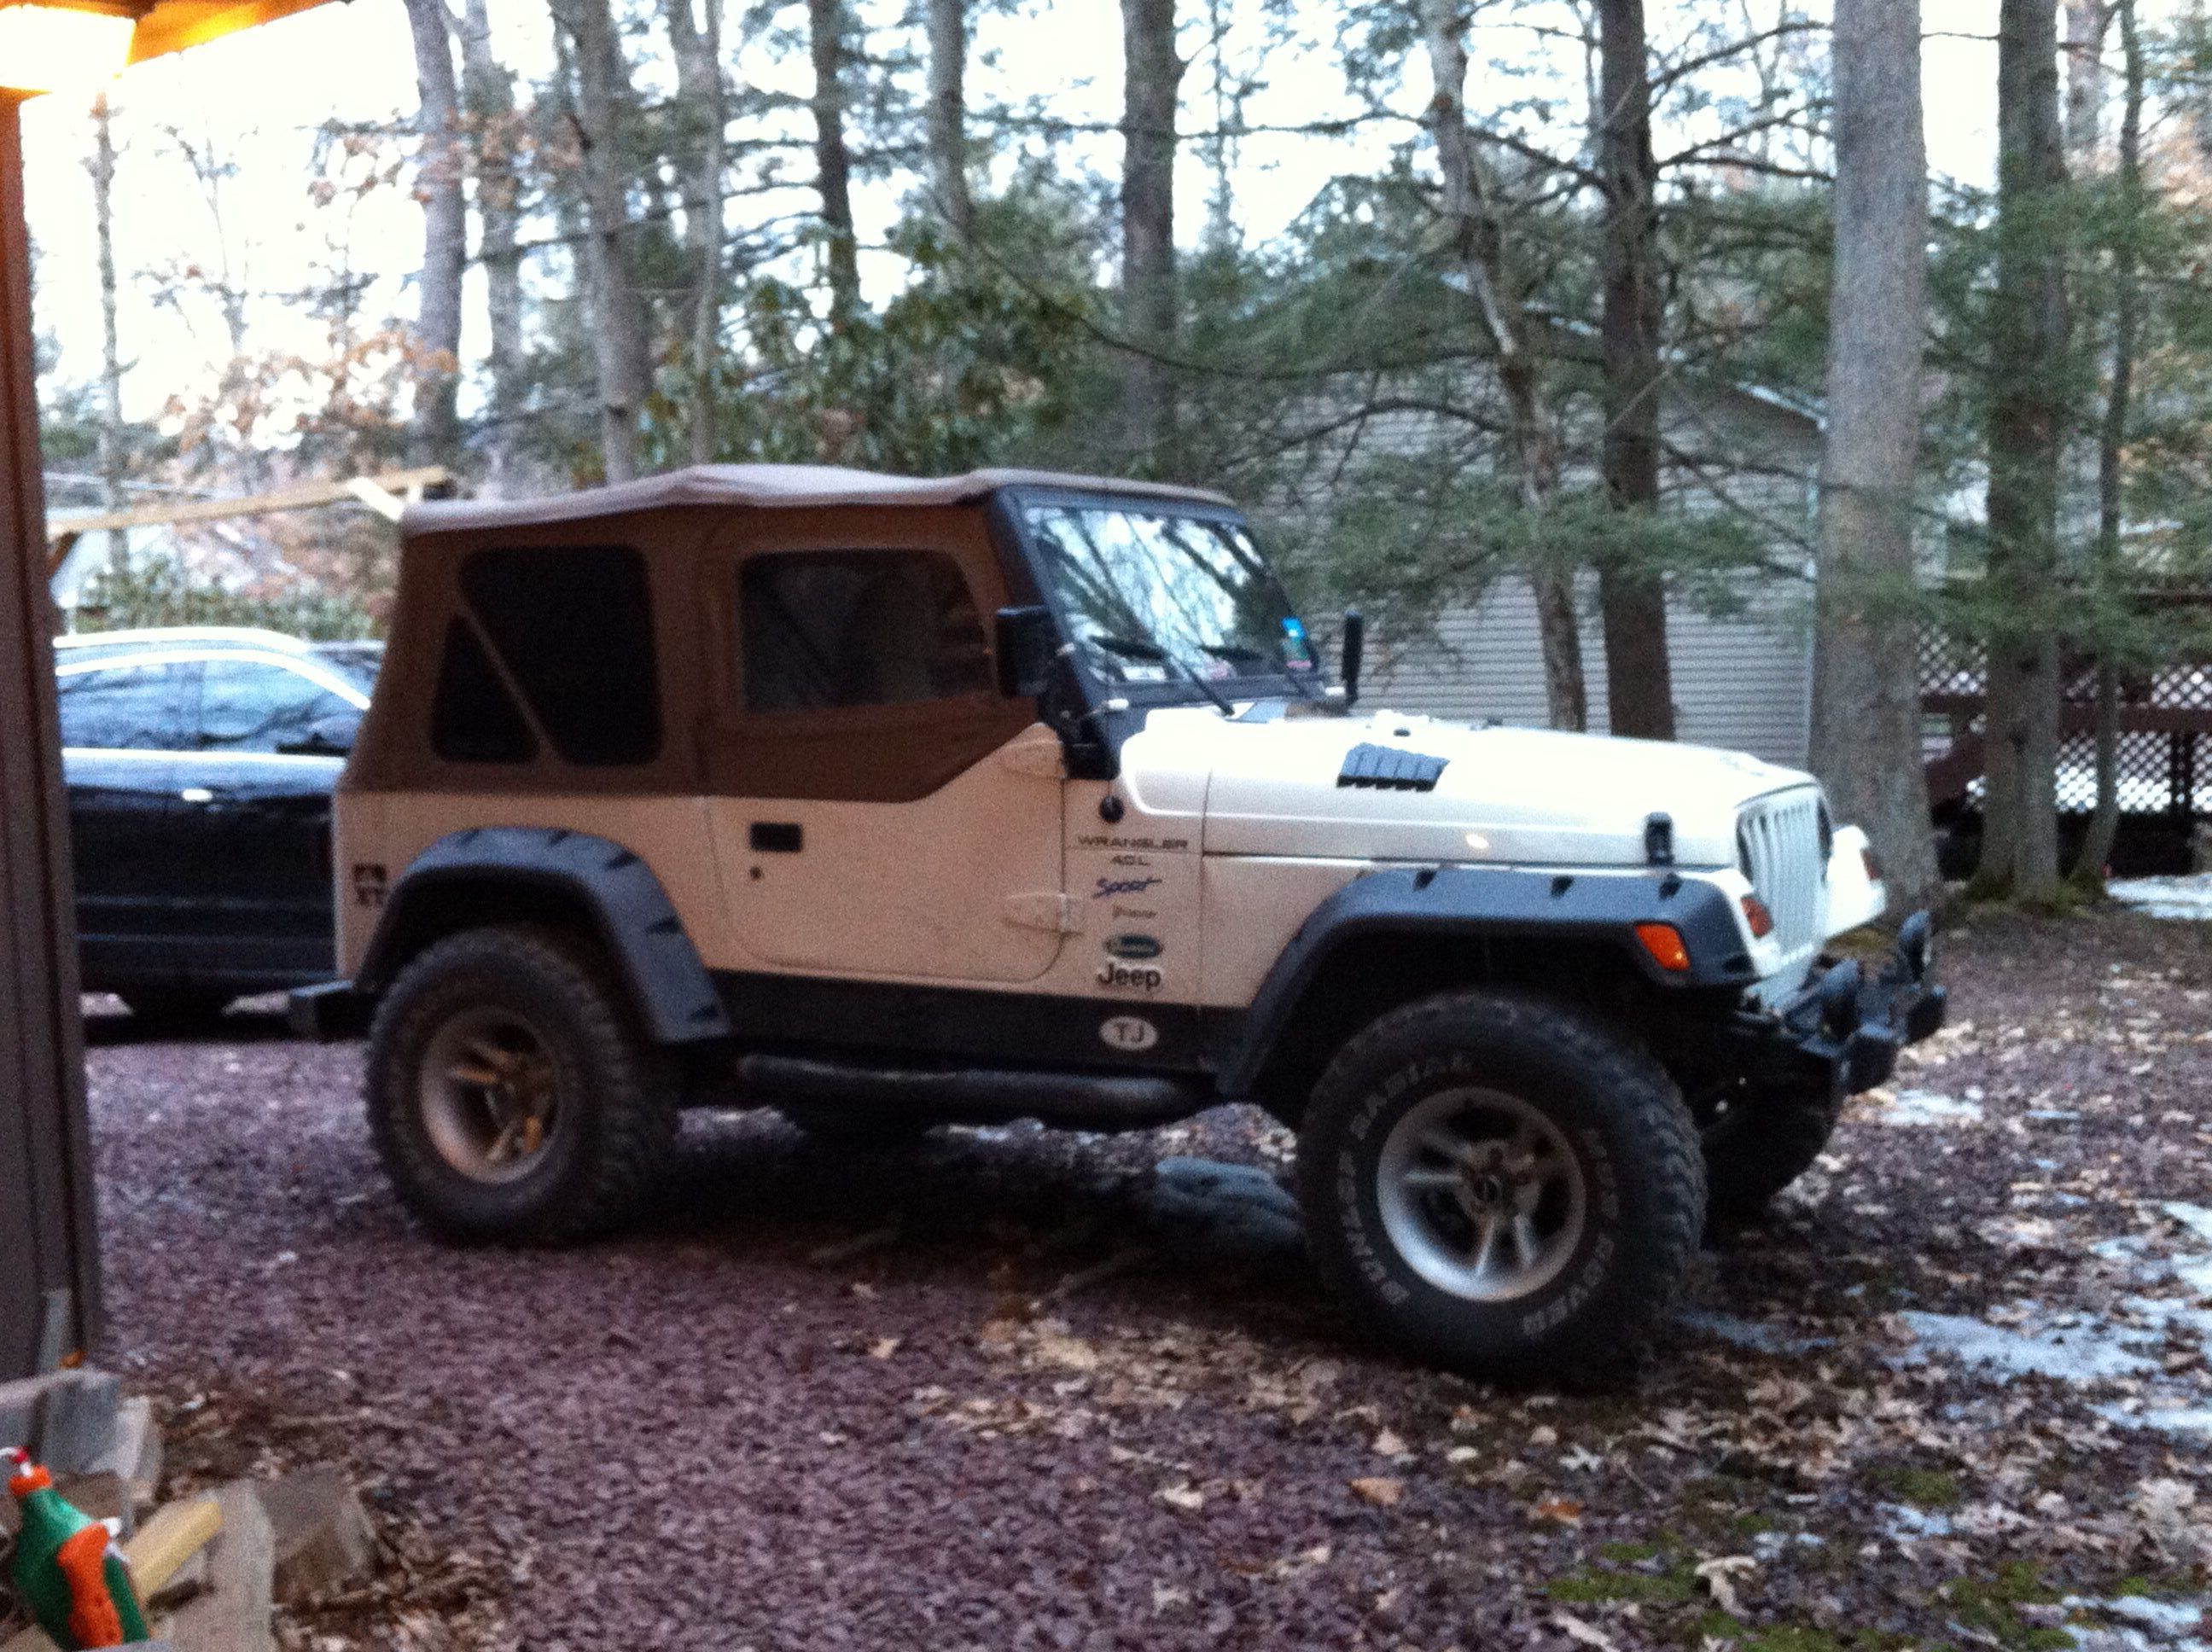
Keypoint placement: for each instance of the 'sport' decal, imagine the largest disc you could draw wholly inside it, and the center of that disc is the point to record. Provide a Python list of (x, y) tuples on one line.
[(1129, 1032)]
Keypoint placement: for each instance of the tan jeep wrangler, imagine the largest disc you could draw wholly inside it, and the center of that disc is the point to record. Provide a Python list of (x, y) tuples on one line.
[(897, 803)]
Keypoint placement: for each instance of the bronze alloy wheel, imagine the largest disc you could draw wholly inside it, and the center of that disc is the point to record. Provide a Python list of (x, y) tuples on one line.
[(489, 1094)]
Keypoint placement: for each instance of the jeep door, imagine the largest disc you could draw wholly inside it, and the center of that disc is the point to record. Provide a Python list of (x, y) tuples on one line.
[(879, 810)]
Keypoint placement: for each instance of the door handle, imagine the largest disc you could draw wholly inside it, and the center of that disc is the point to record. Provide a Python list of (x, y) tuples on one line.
[(776, 837)]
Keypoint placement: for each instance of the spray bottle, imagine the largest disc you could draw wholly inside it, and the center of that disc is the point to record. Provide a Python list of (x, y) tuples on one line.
[(67, 1567)]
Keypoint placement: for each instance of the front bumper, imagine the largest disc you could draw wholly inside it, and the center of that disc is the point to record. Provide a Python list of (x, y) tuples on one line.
[(1853, 1025)]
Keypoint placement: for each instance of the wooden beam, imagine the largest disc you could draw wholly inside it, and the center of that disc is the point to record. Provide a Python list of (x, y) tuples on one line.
[(171, 25), (48, 1248), (382, 494)]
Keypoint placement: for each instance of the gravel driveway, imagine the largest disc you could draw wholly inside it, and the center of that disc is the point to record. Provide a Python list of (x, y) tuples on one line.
[(1015, 1389)]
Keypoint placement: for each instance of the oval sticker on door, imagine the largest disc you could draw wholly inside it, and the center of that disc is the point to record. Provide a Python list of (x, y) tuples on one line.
[(1129, 1032), (1134, 946)]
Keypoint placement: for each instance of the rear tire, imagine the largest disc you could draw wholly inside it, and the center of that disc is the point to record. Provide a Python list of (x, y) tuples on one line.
[(1762, 1143), (1496, 1184), (510, 1095)]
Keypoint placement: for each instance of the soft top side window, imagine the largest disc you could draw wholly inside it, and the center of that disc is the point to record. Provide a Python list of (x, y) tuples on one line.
[(823, 629), (573, 624)]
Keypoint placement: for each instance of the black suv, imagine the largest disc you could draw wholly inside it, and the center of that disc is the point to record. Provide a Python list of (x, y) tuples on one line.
[(199, 763)]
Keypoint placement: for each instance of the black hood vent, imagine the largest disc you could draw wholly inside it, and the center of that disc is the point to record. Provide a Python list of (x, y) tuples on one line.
[(1390, 769)]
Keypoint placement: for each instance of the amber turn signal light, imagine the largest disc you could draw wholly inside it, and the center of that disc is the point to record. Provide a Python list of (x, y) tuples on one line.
[(1756, 914), (1664, 943), (1873, 866)]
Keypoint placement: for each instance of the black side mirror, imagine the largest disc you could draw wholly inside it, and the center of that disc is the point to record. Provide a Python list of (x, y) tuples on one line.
[(1023, 643), (1355, 644)]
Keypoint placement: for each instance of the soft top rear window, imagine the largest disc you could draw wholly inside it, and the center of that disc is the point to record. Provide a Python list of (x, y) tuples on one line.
[(574, 626)]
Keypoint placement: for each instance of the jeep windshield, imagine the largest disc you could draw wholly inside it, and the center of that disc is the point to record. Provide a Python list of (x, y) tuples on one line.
[(1155, 598)]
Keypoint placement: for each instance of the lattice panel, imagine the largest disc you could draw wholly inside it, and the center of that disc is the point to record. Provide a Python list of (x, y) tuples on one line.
[(2151, 767), (1949, 664)]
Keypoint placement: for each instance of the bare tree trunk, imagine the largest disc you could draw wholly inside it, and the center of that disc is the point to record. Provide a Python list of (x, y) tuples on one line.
[(2112, 440), (948, 114), (698, 47), (434, 436), (603, 101), (1152, 74), (833, 160), (2087, 23), (1478, 243), (1639, 688), (488, 99), (1866, 690), (112, 460), (2025, 436)]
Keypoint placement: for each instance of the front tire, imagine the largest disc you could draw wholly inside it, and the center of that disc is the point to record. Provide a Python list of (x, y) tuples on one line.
[(510, 1097), (1762, 1143), (1496, 1184)]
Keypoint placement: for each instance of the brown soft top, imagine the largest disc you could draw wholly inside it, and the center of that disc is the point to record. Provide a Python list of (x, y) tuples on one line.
[(788, 486)]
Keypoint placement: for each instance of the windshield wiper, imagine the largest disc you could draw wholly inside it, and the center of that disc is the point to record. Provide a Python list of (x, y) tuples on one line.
[(1243, 652), (1146, 649)]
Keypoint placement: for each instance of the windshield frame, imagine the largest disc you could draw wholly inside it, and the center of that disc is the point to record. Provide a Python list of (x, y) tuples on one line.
[(1240, 685)]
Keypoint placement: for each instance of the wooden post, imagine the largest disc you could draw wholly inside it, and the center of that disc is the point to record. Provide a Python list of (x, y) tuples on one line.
[(49, 1260)]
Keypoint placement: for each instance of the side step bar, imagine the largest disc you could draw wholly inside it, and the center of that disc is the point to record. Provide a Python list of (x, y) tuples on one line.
[(1080, 1101)]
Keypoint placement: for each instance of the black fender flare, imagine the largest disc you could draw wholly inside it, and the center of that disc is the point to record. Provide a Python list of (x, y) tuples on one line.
[(631, 914), (1493, 902)]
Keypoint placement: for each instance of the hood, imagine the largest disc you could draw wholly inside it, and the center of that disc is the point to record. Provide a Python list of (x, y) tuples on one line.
[(1510, 794)]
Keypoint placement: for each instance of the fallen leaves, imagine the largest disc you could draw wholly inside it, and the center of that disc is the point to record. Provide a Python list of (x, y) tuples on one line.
[(1380, 1490), (1588, 1634), (1717, 1575), (1561, 1511)]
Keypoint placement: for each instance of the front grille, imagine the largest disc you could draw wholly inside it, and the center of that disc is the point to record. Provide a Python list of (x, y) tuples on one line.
[(1780, 841)]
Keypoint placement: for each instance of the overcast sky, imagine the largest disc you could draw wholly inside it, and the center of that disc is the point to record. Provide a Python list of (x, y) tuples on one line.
[(258, 98)]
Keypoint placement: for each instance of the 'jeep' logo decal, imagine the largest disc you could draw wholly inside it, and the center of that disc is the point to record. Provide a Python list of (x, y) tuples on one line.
[(1134, 946)]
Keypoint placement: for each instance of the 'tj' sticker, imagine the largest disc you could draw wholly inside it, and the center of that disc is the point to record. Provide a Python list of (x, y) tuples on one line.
[(1129, 1032)]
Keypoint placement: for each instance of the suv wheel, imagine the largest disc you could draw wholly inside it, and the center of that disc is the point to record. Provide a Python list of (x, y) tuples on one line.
[(1763, 1142), (508, 1096), (1496, 1183)]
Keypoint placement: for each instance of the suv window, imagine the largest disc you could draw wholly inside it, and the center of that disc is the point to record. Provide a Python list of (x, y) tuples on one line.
[(129, 707), (248, 705), (858, 627), (574, 624)]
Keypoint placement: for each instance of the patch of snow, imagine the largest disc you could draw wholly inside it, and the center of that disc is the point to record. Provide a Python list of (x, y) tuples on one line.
[(2054, 1114), (1903, 1523), (2181, 1419), (1758, 1337), (2195, 1218), (2073, 1354), (2189, 897), (1926, 1107), (1769, 1545)]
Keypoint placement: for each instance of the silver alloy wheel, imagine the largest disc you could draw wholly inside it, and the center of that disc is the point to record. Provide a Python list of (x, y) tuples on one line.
[(1481, 1193), (489, 1094)]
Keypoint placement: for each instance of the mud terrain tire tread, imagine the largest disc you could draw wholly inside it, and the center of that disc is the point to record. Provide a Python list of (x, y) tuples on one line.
[(1619, 1088), (619, 1081)]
